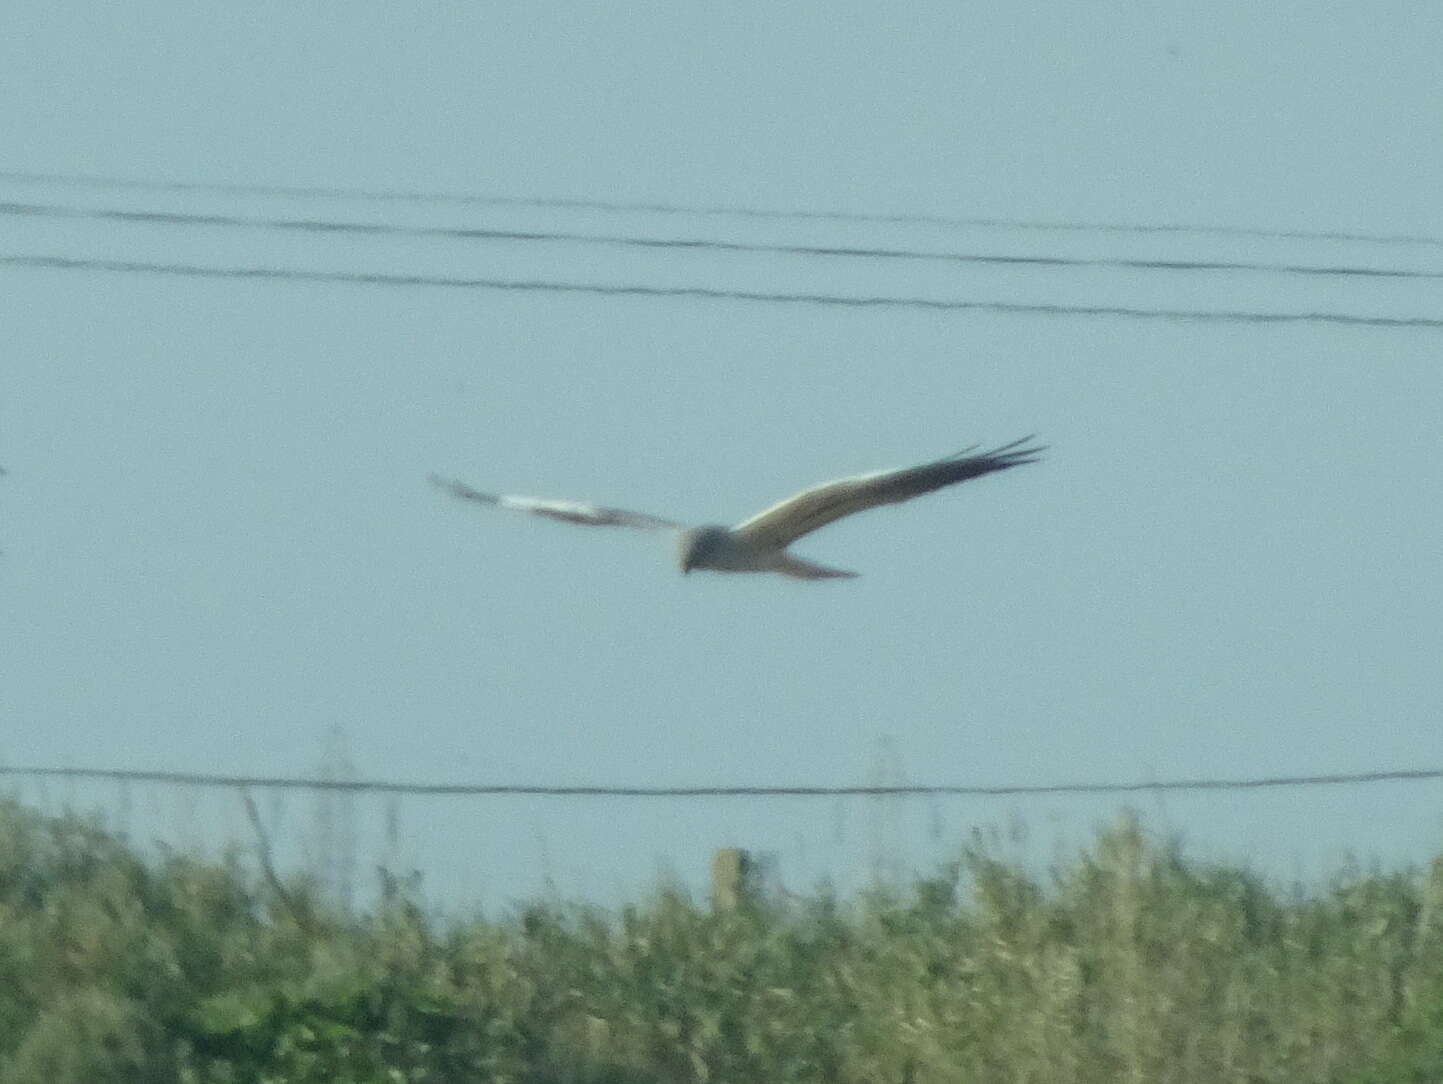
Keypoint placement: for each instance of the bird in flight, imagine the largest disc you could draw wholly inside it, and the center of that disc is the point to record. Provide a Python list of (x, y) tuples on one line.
[(760, 544)]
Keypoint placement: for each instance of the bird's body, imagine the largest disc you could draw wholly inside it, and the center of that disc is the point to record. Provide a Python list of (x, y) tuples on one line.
[(720, 549), (759, 544)]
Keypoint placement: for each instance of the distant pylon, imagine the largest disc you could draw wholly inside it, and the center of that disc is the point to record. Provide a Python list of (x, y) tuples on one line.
[(888, 859), (335, 821)]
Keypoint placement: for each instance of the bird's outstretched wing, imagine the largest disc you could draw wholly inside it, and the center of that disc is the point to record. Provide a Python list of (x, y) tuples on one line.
[(783, 523), (588, 515)]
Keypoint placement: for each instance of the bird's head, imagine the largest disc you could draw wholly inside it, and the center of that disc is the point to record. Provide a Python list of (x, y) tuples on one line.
[(699, 545)]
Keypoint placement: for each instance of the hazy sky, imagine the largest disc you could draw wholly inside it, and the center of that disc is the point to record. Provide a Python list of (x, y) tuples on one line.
[(219, 543)]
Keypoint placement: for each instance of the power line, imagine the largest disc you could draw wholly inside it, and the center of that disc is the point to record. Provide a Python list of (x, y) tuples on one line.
[(718, 210), (203, 779), (376, 278), (469, 233)]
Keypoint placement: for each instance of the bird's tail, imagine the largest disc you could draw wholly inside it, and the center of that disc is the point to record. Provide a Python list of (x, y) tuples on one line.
[(809, 570)]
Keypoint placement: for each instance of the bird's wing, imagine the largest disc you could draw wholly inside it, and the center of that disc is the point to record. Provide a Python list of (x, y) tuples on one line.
[(588, 515), (785, 522)]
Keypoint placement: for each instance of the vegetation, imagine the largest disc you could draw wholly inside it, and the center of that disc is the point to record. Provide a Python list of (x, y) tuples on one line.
[(1130, 964)]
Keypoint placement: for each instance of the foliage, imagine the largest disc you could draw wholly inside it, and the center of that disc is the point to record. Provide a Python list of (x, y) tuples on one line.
[(1129, 964)]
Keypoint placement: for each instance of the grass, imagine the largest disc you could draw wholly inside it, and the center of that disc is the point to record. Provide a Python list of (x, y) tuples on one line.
[(1130, 963)]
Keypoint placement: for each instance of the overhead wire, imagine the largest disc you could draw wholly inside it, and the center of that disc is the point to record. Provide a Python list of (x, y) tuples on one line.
[(103, 181), (474, 233), (377, 786), (376, 278)]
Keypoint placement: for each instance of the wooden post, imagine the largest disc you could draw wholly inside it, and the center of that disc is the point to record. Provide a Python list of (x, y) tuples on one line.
[(731, 877)]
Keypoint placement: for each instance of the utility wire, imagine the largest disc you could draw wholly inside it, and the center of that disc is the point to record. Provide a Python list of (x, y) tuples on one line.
[(376, 278), (718, 210), (312, 225), (365, 786)]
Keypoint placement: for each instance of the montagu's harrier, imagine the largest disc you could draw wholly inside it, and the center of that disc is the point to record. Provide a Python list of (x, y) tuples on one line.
[(760, 544)]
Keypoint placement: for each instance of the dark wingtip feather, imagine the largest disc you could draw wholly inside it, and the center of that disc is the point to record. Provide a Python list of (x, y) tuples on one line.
[(461, 489), (1012, 454)]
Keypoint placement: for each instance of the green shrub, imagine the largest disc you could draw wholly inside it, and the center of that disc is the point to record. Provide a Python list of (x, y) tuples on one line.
[(1129, 963)]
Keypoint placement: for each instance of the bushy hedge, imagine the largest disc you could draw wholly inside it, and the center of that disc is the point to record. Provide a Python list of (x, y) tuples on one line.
[(1130, 964)]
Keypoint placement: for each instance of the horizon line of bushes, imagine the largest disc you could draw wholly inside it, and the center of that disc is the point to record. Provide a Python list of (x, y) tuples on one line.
[(1129, 963)]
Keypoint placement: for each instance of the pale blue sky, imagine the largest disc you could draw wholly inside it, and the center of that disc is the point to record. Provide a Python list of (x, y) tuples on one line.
[(218, 541)]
